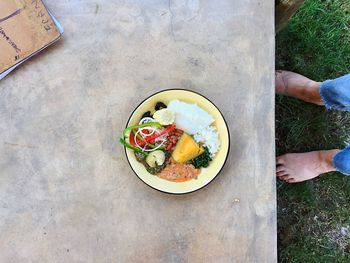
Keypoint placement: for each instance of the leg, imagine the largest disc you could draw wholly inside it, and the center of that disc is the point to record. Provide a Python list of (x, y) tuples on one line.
[(341, 161), (334, 94), (299, 167), (292, 84)]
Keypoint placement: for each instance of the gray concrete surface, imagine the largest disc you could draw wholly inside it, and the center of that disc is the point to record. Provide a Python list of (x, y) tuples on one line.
[(67, 193)]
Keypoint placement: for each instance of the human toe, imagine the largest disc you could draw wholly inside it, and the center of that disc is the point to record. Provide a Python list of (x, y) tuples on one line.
[(291, 180), (281, 173), (284, 177), (280, 168)]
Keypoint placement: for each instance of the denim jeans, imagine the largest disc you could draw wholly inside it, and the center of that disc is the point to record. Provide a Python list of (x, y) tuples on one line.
[(336, 95)]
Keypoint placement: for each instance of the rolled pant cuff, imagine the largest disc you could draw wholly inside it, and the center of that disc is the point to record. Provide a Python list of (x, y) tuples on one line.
[(341, 161), (336, 93)]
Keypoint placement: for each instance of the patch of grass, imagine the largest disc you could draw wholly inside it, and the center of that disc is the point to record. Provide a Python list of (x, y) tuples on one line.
[(316, 40), (311, 215), (310, 218)]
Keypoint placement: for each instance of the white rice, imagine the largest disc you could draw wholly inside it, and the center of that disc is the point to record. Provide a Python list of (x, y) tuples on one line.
[(195, 121), (189, 117), (210, 138)]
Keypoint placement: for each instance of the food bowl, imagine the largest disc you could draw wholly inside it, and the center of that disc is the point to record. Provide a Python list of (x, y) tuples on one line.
[(207, 174)]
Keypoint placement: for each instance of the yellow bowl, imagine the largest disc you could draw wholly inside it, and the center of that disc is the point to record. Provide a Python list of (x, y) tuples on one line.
[(207, 174)]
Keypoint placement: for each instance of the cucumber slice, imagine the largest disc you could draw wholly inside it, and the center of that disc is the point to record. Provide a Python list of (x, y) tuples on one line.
[(155, 158), (164, 117)]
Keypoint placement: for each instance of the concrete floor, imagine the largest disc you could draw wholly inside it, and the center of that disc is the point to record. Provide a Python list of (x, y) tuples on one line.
[(67, 193)]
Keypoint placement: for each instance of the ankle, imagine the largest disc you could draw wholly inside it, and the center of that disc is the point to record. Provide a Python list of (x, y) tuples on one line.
[(326, 159), (313, 85), (313, 90)]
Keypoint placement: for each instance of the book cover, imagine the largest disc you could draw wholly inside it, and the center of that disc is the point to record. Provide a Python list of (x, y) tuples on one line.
[(26, 27)]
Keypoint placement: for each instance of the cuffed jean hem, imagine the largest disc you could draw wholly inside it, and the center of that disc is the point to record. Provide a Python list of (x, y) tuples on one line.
[(336, 93), (341, 161)]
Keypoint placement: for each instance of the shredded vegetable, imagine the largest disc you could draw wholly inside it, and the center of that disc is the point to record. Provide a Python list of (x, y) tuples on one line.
[(127, 145), (138, 136), (127, 131), (163, 132), (149, 131)]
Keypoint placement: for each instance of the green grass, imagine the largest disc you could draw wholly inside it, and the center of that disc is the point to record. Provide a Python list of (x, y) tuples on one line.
[(316, 43)]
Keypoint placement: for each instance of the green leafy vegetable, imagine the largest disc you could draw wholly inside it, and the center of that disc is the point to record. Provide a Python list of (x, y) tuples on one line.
[(202, 160)]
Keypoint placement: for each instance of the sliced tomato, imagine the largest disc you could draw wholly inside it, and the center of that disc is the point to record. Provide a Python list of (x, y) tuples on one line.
[(132, 139), (152, 138)]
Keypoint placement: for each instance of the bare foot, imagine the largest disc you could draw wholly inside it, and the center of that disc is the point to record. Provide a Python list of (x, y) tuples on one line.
[(298, 167), (295, 85)]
